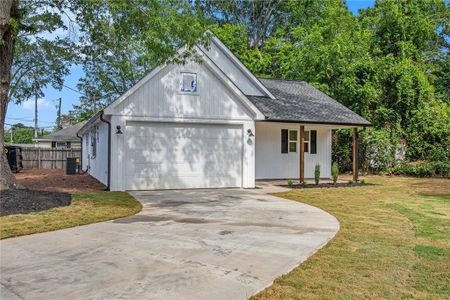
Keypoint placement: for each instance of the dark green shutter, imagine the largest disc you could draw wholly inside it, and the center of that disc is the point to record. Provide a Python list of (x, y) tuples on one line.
[(284, 140), (313, 142)]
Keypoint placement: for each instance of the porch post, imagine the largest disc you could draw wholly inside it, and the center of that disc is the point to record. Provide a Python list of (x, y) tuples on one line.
[(302, 153), (355, 154)]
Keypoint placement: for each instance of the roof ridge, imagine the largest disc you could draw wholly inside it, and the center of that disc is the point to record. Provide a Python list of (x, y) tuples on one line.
[(277, 79)]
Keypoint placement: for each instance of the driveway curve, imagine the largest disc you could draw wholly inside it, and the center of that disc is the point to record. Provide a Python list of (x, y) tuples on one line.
[(186, 244)]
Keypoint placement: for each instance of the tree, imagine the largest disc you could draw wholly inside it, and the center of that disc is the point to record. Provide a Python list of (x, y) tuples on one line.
[(20, 134), (9, 14), (31, 56), (124, 40)]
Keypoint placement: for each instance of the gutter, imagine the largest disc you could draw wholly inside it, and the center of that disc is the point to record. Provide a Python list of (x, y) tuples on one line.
[(109, 149)]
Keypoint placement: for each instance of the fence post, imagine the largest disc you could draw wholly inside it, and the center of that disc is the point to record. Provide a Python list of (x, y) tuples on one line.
[(39, 158)]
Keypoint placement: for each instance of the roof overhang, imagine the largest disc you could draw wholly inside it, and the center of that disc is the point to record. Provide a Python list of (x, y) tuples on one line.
[(309, 122)]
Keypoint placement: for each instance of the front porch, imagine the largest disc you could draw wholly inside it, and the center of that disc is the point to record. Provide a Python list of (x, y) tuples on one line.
[(288, 150)]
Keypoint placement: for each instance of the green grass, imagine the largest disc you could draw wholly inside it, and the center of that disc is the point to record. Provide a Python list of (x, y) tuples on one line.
[(394, 243), (86, 208)]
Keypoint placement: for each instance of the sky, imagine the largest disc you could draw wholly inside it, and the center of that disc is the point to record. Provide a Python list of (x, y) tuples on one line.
[(47, 106)]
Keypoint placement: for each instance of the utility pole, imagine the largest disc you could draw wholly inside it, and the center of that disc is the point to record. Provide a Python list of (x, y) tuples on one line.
[(35, 116), (11, 129), (58, 118)]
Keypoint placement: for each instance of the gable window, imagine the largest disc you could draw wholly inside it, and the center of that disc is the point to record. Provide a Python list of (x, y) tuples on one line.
[(188, 82)]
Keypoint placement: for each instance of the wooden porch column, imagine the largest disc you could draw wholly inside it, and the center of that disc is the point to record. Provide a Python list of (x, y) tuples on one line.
[(302, 154), (355, 154)]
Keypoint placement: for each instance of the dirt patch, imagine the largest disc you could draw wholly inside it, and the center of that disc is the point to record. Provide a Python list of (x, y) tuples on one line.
[(23, 201), (54, 180)]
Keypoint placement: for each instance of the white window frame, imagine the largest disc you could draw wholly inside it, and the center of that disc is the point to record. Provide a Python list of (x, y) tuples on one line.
[(188, 91), (306, 142), (292, 141)]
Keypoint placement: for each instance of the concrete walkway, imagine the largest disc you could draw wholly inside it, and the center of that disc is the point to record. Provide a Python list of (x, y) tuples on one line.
[(190, 244)]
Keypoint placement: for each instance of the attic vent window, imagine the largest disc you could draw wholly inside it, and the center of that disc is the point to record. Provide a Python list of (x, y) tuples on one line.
[(188, 82)]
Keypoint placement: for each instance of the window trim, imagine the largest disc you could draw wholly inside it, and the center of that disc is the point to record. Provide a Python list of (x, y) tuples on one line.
[(180, 90), (293, 141), (307, 145)]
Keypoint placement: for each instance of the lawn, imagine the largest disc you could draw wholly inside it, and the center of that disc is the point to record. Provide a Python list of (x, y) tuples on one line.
[(394, 242), (86, 208)]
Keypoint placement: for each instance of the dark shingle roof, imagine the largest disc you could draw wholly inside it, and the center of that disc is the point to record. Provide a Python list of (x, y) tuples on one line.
[(67, 134), (297, 101)]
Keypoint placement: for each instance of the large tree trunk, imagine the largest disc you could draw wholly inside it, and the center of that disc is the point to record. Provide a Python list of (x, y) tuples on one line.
[(8, 11)]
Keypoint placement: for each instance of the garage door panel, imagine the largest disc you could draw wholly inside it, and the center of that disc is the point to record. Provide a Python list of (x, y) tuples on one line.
[(162, 156)]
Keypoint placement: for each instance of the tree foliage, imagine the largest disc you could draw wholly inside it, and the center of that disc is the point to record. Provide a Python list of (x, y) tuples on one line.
[(390, 63)]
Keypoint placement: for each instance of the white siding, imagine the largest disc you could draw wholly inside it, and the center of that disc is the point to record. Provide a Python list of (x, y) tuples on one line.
[(232, 71), (97, 165), (161, 97), (272, 164)]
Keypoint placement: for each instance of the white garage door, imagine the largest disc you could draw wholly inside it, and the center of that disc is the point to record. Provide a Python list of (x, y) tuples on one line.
[(180, 155)]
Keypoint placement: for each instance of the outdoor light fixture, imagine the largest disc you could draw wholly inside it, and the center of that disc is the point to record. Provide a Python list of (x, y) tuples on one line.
[(250, 133), (118, 130)]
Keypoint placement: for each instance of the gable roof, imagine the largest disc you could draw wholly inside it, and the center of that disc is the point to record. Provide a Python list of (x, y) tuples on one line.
[(68, 134), (298, 101)]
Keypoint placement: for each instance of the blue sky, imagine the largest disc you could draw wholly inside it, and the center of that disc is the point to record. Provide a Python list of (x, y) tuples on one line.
[(24, 113)]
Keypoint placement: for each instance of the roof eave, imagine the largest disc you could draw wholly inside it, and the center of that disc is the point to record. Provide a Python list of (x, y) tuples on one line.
[(318, 122)]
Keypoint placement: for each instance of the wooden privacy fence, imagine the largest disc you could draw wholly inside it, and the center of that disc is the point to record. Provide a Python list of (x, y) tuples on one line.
[(47, 158)]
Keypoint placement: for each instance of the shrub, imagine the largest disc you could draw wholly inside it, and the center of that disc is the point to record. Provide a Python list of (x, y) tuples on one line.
[(290, 183), (335, 172), (350, 182), (362, 181), (317, 174), (421, 169)]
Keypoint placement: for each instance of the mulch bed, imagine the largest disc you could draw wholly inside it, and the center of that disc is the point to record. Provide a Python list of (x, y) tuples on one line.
[(45, 189), (23, 201), (325, 185)]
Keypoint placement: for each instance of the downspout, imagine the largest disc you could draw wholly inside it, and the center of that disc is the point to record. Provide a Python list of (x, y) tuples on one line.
[(81, 155), (109, 149)]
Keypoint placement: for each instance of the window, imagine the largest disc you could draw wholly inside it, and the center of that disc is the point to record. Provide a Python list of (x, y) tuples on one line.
[(313, 141), (58, 145), (289, 140), (189, 82), (306, 141), (68, 145), (86, 138), (292, 140)]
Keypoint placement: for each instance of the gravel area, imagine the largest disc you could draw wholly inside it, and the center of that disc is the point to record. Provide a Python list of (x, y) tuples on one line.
[(23, 201)]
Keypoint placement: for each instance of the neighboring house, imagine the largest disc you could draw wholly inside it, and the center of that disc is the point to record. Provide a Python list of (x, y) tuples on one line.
[(212, 124), (65, 138)]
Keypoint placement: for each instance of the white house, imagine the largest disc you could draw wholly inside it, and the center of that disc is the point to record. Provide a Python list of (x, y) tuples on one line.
[(210, 124)]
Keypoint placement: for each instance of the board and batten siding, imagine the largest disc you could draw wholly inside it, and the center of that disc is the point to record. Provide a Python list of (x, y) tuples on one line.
[(161, 97), (160, 100), (228, 67), (98, 164), (272, 164)]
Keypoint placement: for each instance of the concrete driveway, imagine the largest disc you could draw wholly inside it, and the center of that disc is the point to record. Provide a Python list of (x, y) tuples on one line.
[(190, 244)]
